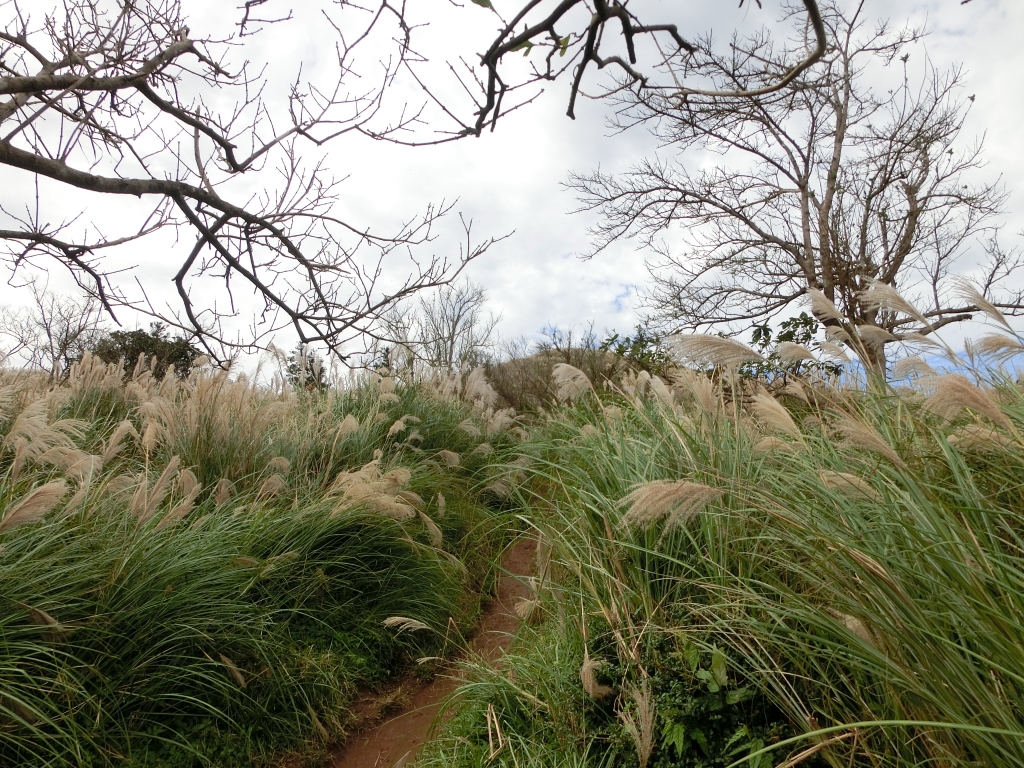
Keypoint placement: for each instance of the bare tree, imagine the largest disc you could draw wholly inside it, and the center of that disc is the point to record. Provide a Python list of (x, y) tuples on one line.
[(449, 329), (571, 37), (119, 98), (52, 331), (827, 185)]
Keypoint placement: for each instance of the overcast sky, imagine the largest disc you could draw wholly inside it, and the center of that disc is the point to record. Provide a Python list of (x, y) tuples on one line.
[(510, 181)]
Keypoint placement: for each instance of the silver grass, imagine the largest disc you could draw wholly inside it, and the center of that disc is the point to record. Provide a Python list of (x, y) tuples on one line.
[(390, 397), (791, 354), (570, 382), (436, 537), (588, 677), (484, 449), (969, 293), (846, 484), (772, 414), (223, 492), (348, 425), (404, 624), (398, 426), (34, 505), (999, 346), (979, 437), (232, 670), (450, 458), (640, 726), (822, 307), (661, 391), (705, 349), (279, 465), (479, 391), (953, 392), (860, 435), (772, 444), (678, 501), (837, 335), (874, 335), (880, 295), (912, 366), (469, 428)]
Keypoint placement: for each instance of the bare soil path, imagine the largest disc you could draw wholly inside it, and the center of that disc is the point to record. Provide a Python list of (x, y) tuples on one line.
[(394, 741)]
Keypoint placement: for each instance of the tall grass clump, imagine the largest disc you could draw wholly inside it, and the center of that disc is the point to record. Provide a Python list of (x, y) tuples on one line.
[(201, 571), (820, 575)]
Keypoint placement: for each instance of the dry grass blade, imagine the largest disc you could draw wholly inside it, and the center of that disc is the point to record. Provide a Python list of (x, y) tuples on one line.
[(704, 349), (679, 501), (34, 505), (570, 382), (772, 414)]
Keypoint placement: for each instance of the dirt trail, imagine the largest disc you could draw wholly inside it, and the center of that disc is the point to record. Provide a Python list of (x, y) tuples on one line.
[(394, 742)]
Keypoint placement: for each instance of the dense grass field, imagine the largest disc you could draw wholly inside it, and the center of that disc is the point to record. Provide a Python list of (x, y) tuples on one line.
[(202, 571), (731, 571), (824, 575)]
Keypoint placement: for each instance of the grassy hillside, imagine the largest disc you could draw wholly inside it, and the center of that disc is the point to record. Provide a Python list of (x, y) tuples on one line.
[(201, 572), (823, 576)]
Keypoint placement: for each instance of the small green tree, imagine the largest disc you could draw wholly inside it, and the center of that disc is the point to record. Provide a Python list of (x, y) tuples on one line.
[(158, 349), (306, 370)]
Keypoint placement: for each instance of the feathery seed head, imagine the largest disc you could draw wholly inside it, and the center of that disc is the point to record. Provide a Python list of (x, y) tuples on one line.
[(874, 336), (953, 392), (846, 484), (912, 366), (588, 677), (772, 414), (450, 458), (34, 505), (469, 428), (678, 501), (791, 354), (570, 382), (969, 293), (348, 425), (705, 349), (822, 308), (880, 295)]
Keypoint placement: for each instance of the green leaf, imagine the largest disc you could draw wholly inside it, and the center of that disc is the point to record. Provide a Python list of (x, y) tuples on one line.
[(674, 735), (484, 4), (718, 668), (563, 45), (526, 45)]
